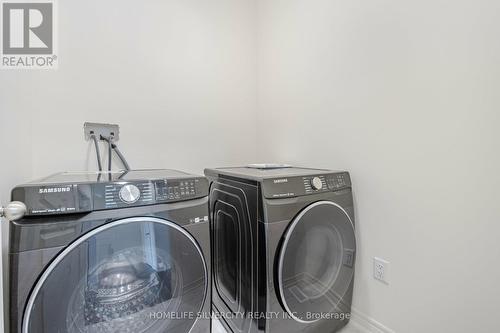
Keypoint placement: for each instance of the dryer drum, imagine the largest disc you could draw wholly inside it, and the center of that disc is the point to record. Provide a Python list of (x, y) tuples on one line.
[(315, 262)]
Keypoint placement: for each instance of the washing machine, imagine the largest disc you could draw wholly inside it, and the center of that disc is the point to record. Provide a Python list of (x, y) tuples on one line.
[(111, 252), (283, 248)]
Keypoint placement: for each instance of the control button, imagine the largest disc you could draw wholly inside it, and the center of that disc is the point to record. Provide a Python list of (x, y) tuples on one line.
[(316, 183), (130, 193)]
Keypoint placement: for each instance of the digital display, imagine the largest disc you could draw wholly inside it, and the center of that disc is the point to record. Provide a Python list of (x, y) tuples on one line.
[(175, 190)]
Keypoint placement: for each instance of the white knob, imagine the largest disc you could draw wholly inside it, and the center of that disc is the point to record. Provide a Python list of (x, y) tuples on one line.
[(13, 211), (130, 193), (316, 183)]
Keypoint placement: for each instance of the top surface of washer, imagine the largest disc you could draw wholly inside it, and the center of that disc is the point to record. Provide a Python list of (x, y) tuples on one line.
[(105, 176)]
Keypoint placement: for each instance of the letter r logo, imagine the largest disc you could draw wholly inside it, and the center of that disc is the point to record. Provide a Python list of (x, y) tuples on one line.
[(27, 28)]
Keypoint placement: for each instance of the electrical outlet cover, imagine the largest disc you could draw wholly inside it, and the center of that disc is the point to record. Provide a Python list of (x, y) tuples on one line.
[(381, 270)]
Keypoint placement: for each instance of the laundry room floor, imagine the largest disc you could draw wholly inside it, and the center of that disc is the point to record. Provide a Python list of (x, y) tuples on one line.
[(218, 328)]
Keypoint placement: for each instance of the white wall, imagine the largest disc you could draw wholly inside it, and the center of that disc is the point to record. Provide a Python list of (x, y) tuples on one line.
[(404, 94), (178, 76), (171, 73)]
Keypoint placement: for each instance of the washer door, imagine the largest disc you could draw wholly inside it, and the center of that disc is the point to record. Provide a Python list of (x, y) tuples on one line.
[(132, 275), (316, 262)]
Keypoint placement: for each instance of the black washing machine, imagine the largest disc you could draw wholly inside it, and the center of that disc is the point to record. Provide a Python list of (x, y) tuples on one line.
[(111, 252), (283, 249)]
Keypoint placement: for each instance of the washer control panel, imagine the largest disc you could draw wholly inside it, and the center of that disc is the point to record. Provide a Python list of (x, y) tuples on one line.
[(84, 195), (297, 186)]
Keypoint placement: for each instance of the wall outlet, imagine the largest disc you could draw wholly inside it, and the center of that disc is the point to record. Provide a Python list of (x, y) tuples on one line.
[(381, 270)]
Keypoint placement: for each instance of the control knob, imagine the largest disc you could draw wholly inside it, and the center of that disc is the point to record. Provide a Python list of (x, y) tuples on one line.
[(130, 193), (316, 183)]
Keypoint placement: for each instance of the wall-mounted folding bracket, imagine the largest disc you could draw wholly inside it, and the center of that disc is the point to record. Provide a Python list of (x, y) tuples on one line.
[(101, 130)]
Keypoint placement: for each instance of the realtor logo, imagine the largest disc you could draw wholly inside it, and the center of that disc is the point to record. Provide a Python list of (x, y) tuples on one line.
[(28, 32)]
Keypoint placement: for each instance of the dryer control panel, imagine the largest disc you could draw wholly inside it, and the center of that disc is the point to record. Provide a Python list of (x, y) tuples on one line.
[(305, 185)]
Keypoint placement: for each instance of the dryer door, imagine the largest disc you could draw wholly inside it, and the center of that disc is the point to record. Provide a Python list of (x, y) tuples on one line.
[(316, 262), (133, 275)]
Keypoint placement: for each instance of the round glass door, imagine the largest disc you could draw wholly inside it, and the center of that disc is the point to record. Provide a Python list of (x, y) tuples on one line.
[(316, 262), (133, 275)]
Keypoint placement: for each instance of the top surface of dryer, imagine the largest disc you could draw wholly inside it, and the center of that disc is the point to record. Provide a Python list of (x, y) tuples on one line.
[(288, 181), (78, 192), (260, 174)]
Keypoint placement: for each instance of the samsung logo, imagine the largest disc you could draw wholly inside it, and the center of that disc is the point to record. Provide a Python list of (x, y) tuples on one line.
[(279, 181), (54, 190)]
